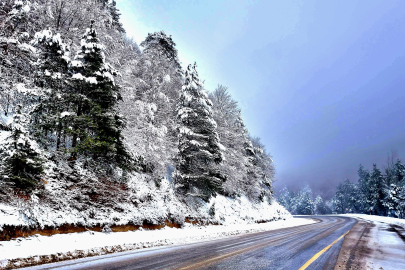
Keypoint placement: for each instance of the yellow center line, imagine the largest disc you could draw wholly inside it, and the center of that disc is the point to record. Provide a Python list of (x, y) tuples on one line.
[(308, 263)]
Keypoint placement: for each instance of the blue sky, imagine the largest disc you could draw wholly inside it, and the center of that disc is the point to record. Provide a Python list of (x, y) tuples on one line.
[(321, 82)]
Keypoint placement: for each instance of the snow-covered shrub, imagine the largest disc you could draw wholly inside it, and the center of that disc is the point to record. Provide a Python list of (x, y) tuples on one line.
[(21, 157)]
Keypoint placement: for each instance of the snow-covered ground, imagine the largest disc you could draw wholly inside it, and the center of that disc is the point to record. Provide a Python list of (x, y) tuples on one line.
[(4, 134), (381, 243), (222, 210), (72, 202), (96, 243), (387, 220)]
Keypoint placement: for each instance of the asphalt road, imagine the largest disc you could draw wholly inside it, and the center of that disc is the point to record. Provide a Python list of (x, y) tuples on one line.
[(289, 248)]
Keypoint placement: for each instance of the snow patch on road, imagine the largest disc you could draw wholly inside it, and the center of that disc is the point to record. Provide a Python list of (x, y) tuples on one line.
[(387, 220)]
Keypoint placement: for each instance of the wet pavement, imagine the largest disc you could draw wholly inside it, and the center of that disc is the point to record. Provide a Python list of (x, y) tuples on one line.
[(288, 248)]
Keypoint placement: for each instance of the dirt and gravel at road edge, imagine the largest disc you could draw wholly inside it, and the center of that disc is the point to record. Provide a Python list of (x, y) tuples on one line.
[(354, 248), (372, 245)]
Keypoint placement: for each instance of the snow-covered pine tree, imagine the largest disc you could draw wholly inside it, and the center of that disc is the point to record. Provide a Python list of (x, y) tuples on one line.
[(347, 198), (97, 127), (115, 16), (150, 104), (395, 193), (114, 20), (16, 56), (199, 148), (376, 189), (305, 203), (161, 45), (256, 165), (284, 198), (321, 207), (160, 70), (239, 141), (22, 160), (364, 190), (52, 112), (232, 134), (388, 186), (261, 173)]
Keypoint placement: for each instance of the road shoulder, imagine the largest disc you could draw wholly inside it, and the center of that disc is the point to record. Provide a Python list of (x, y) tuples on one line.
[(372, 245)]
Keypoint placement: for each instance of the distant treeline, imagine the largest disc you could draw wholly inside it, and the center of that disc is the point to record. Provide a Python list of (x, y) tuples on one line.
[(375, 193), (302, 202)]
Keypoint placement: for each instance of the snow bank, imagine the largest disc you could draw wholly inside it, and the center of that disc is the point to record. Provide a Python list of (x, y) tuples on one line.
[(233, 211), (98, 243), (82, 200), (3, 136), (388, 220), (76, 198)]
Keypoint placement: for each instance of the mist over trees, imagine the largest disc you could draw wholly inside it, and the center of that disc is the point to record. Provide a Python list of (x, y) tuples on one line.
[(78, 93), (303, 202), (375, 193)]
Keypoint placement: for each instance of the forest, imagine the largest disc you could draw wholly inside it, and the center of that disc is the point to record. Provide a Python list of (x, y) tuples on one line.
[(90, 119), (375, 193)]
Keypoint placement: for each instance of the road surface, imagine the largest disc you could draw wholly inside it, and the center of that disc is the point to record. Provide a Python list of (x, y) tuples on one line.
[(314, 246)]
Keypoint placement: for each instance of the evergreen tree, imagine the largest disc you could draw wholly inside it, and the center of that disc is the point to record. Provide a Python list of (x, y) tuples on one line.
[(364, 190), (400, 200), (22, 160), (376, 190), (150, 102), (16, 56), (262, 171), (199, 149), (306, 205), (294, 202), (53, 72), (97, 125), (284, 198), (300, 203), (394, 190), (347, 198), (320, 207), (161, 45), (247, 171), (115, 16), (244, 158)]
